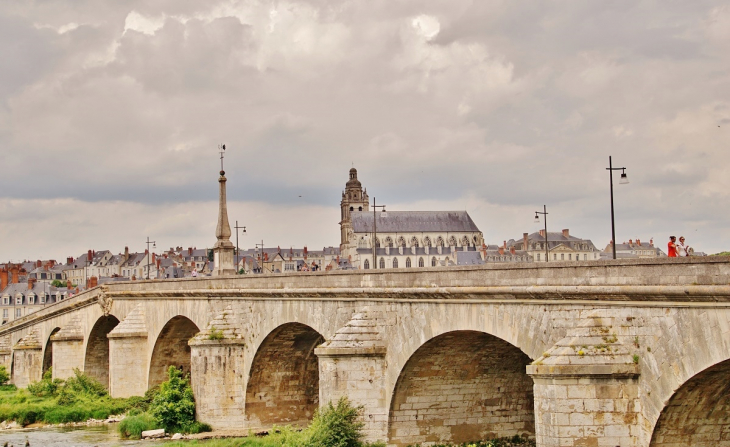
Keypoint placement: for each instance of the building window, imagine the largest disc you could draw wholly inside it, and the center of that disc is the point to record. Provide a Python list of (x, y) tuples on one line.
[(433, 261), (420, 262), (389, 242), (395, 263), (414, 242), (31, 299), (555, 257), (18, 300), (352, 209), (570, 257), (18, 313), (408, 263), (382, 263), (585, 257), (6, 300), (427, 242), (538, 256), (562, 256), (367, 264), (5, 313)]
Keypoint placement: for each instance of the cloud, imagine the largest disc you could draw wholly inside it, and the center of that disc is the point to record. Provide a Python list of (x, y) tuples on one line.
[(492, 105)]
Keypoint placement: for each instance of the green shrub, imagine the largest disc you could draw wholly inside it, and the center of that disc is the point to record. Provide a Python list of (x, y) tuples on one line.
[(4, 376), (335, 426), (197, 427), (47, 386), (174, 405), (133, 426)]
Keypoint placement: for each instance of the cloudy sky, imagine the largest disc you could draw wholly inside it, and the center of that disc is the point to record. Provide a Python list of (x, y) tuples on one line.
[(111, 113)]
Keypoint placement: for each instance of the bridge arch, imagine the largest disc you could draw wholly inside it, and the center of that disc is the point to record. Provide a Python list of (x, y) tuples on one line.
[(96, 360), (462, 386), (698, 414), (48, 351), (283, 382), (171, 349)]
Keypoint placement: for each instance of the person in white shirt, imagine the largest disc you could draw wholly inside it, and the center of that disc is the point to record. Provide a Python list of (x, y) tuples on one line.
[(682, 249), (195, 273)]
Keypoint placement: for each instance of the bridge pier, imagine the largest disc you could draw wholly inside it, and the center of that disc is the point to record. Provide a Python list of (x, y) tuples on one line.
[(352, 364), (217, 372), (68, 350), (587, 387), (128, 357), (27, 360)]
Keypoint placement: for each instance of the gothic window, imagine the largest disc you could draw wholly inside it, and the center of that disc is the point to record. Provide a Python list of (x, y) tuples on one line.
[(367, 264), (420, 262), (359, 208), (395, 263), (452, 241), (382, 263), (401, 242), (476, 241), (377, 243), (389, 242), (433, 261), (426, 241), (408, 263), (414, 242), (465, 241), (352, 209), (439, 241)]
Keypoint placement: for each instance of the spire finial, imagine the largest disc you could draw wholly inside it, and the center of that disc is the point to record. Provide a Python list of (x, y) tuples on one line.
[(222, 150)]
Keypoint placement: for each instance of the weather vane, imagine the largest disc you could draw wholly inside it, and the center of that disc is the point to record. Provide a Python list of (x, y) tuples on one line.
[(222, 150)]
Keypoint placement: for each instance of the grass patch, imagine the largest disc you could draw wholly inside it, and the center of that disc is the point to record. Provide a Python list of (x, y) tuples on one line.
[(133, 426)]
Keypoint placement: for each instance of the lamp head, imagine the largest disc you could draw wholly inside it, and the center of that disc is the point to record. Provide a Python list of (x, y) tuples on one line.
[(537, 218), (624, 179), (244, 229), (154, 245)]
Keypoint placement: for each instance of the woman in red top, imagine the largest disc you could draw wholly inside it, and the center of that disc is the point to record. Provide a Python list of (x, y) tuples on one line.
[(672, 247)]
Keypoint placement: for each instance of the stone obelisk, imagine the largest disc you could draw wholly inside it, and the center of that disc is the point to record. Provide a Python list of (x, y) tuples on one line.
[(223, 248)]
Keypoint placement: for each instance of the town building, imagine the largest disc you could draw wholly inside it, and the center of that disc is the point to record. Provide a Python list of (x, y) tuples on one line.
[(633, 249), (560, 246), (402, 239)]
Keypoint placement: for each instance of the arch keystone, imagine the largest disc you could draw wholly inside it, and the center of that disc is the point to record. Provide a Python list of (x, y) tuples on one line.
[(357, 348), (217, 370)]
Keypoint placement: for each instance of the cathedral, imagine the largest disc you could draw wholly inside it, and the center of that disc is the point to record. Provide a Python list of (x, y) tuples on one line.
[(404, 239)]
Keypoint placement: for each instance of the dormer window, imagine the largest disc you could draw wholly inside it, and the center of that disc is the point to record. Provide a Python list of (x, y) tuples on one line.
[(18, 299), (31, 299)]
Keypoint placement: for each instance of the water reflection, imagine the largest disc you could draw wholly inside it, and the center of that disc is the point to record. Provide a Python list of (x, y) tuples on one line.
[(96, 436)]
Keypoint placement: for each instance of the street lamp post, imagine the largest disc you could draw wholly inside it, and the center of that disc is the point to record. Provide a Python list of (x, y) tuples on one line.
[(261, 264), (624, 180), (537, 220), (237, 250), (375, 231), (149, 255)]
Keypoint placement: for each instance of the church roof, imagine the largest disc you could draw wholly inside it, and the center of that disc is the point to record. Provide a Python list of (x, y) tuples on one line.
[(413, 221)]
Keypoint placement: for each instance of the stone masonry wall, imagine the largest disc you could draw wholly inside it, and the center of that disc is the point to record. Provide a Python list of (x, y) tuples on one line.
[(97, 350), (171, 349), (459, 387), (218, 383), (284, 380), (699, 413), (128, 366), (27, 366)]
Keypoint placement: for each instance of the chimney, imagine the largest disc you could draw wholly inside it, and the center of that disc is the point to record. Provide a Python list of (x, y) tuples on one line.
[(159, 261), (525, 239), (501, 250), (638, 242), (651, 242), (31, 283), (68, 284), (126, 252), (512, 249), (14, 274), (190, 251), (278, 249), (3, 278), (631, 241), (154, 258), (89, 256), (70, 260), (542, 234), (504, 244), (566, 233), (92, 282), (51, 263), (38, 264)]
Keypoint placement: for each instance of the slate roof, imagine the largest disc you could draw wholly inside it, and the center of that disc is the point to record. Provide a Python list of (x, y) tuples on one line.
[(413, 221)]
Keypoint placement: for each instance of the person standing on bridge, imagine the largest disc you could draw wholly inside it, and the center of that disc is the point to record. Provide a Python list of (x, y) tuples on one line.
[(672, 247), (682, 249)]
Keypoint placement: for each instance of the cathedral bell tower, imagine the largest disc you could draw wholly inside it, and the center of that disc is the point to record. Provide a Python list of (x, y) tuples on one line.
[(354, 199)]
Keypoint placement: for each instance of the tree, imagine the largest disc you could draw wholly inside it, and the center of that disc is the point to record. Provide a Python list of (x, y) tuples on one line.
[(210, 254), (4, 376), (174, 405)]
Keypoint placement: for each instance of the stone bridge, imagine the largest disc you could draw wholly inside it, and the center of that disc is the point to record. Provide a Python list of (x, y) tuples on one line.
[(611, 353)]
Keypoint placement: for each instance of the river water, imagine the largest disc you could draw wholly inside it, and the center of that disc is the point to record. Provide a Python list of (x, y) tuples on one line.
[(96, 436)]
